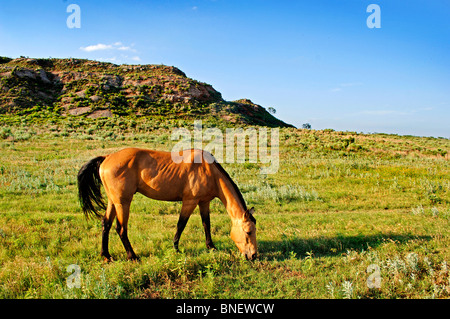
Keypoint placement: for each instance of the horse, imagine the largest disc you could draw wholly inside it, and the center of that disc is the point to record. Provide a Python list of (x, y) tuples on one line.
[(194, 178)]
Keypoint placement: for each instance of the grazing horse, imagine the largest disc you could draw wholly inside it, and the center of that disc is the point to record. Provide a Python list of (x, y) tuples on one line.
[(195, 178)]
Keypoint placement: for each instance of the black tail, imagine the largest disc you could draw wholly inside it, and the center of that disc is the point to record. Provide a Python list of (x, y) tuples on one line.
[(89, 183)]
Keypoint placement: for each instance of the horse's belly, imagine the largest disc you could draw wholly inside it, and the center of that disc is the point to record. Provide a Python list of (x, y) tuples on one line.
[(160, 194), (174, 193)]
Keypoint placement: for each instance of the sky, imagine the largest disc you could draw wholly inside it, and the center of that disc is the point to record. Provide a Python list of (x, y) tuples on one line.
[(314, 61)]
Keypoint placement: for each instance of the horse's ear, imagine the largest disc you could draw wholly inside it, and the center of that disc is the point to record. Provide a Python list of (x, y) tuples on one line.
[(249, 214)]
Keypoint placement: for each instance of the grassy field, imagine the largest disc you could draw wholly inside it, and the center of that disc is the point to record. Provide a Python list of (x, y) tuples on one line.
[(347, 215)]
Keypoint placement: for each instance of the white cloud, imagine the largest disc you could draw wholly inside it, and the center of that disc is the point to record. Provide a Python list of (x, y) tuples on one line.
[(125, 48), (116, 52), (120, 59), (113, 59), (97, 47), (100, 46), (340, 87)]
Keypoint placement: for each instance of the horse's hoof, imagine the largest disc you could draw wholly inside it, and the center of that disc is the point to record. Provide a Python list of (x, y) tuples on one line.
[(107, 259), (134, 258)]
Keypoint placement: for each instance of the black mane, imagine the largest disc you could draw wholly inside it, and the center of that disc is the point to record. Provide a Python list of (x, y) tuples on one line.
[(236, 189)]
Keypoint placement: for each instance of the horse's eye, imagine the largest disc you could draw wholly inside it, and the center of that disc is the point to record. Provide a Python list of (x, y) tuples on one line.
[(249, 233)]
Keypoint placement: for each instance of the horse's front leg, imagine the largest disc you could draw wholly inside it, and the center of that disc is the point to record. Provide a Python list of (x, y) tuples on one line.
[(204, 213), (186, 210)]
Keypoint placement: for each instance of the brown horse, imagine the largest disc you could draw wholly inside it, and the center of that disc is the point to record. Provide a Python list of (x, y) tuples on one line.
[(195, 178)]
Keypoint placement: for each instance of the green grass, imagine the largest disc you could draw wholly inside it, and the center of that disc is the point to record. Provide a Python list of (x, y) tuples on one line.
[(340, 202)]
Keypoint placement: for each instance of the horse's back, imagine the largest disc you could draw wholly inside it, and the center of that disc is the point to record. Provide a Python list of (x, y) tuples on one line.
[(156, 175)]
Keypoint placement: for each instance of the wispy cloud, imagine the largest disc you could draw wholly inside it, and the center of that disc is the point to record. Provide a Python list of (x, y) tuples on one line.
[(341, 86), (117, 51), (97, 47), (102, 47), (124, 48), (121, 59), (112, 60)]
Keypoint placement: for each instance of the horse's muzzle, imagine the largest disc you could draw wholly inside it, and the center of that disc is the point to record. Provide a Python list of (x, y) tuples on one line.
[(251, 257)]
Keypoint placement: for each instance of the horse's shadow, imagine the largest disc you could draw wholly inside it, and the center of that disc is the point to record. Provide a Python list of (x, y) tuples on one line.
[(293, 247)]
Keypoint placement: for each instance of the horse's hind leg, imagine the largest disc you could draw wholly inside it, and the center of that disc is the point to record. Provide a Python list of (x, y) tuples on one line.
[(204, 213), (106, 225), (123, 211)]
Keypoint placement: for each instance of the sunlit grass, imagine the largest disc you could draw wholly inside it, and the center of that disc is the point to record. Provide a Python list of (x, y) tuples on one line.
[(339, 203)]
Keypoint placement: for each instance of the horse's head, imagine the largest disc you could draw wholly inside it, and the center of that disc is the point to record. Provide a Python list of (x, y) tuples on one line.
[(243, 233)]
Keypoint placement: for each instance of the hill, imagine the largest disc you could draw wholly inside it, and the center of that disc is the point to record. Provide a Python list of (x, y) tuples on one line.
[(98, 89)]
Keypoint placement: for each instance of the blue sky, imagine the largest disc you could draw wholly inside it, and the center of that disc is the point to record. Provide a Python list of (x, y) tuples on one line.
[(313, 61)]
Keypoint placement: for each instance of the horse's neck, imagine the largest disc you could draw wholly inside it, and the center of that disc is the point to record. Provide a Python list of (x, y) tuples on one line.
[(229, 197)]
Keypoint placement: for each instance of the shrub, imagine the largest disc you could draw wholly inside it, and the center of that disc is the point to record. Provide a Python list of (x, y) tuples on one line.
[(5, 132), (285, 193)]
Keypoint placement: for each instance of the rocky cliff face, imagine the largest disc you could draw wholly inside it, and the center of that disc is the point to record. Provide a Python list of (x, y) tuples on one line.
[(98, 89)]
